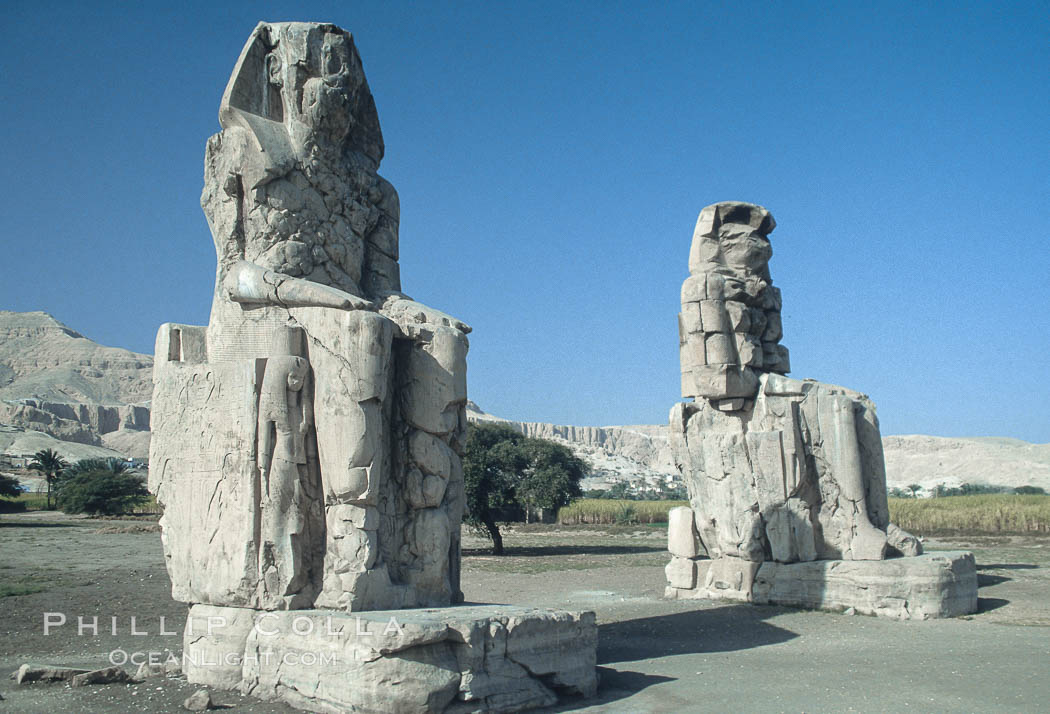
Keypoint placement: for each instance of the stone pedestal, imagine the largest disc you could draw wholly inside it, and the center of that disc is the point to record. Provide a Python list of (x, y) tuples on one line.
[(454, 659), (933, 585)]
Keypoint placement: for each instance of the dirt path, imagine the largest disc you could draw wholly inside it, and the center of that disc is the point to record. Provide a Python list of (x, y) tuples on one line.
[(655, 655)]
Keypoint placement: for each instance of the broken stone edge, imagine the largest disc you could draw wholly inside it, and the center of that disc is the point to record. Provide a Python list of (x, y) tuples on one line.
[(934, 585), (456, 659)]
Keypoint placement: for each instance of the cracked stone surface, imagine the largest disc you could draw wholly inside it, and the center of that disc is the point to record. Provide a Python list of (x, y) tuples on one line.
[(307, 442), (458, 659), (779, 470)]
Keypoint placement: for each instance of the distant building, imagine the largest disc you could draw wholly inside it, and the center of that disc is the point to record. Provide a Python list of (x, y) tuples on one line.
[(14, 462)]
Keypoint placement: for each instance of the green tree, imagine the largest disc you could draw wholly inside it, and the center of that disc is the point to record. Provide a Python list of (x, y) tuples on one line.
[(101, 492), (51, 465), (9, 487), (506, 474), (551, 476), (489, 459), (914, 488), (1030, 490)]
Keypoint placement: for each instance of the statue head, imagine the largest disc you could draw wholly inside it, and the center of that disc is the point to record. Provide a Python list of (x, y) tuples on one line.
[(731, 238), (303, 83), (730, 327), (291, 182)]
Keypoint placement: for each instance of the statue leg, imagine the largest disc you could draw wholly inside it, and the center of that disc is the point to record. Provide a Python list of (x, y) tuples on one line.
[(432, 399), (838, 430), (351, 356), (282, 564)]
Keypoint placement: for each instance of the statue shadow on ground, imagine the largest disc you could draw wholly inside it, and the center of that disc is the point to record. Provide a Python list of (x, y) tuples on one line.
[(726, 628), (987, 604), (984, 581), (719, 629), (613, 685), (511, 551), (35, 524), (1008, 566)]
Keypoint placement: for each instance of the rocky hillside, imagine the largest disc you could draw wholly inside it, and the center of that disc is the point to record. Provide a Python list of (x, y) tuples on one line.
[(638, 454), (55, 384), (58, 383), (996, 461), (642, 454)]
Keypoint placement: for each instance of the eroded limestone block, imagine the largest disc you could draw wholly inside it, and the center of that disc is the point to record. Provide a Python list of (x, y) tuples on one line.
[(203, 469), (900, 542), (681, 573), (215, 636), (681, 533), (942, 584), (435, 384), (45, 673), (487, 658), (730, 578), (109, 675)]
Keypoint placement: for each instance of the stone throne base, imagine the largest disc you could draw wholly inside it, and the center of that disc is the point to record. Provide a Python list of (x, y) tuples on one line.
[(485, 658), (934, 585)]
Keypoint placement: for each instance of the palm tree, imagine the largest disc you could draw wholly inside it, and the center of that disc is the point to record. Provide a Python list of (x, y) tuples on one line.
[(51, 465), (110, 465)]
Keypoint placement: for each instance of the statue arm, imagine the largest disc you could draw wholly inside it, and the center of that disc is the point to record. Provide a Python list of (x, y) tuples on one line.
[(409, 314), (252, 284)]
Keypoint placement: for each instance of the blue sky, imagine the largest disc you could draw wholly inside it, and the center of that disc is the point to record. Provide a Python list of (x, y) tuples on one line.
[(551, 159)]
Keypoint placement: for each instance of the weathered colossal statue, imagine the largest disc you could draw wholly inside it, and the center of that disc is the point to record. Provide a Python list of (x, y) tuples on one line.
[(308, 441), (778, 470)]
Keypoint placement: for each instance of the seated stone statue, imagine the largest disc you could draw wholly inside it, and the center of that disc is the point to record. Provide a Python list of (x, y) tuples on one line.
[(777, 469), (329, 404)]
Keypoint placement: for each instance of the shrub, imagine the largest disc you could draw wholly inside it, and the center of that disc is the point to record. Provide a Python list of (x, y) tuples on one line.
[(9, 487), (101, 492)]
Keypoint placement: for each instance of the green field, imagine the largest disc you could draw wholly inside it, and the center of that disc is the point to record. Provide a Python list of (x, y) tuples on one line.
[(604, 511), (26, 502), (990, 513), (993, 513)]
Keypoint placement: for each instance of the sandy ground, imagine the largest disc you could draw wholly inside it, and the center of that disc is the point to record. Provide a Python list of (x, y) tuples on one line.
[(654, 655)]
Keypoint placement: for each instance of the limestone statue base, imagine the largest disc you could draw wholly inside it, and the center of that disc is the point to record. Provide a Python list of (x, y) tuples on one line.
[(454, 659), (934, 585)]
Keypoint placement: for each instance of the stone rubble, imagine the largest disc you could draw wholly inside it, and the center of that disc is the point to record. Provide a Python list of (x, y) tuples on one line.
[(109, 675), (199, 701), (45, 673)]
